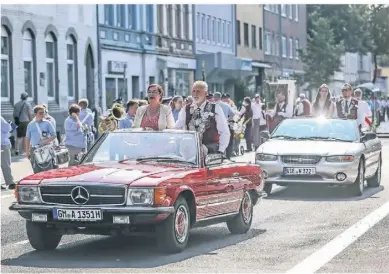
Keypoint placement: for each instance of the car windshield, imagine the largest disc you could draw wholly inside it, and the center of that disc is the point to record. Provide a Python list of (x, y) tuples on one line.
[(317, 129), (145, 146)]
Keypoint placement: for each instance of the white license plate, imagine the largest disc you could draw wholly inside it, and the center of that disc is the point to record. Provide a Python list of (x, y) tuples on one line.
[(299, 171), (89, 215)]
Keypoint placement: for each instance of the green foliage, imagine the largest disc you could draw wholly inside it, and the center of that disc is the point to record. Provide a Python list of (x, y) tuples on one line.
[(321, 57)]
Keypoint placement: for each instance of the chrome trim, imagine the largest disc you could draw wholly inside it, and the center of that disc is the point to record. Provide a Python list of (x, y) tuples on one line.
[(28, 207), (51, 184), (218, 216)]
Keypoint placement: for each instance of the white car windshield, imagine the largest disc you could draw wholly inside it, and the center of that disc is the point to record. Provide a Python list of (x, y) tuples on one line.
[(145, 146), (317, 129)]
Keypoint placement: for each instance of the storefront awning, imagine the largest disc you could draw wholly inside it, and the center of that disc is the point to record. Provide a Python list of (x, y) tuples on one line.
[(260, 65)]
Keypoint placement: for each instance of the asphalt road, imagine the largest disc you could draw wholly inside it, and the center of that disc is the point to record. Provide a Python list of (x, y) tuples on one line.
[(290, 226)]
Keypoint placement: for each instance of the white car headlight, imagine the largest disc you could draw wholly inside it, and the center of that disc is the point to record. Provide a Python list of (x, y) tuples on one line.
[(140, 196), (28, 194), (340, 158), (266, 157)]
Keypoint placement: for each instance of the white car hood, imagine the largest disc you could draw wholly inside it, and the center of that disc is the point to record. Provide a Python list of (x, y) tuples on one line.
[(307, 147)]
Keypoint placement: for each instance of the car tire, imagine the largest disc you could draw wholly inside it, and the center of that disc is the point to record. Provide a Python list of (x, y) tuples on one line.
[(42, 237), (170, 237), (375, 181), (241, 223), (357, 187), (268, 188)]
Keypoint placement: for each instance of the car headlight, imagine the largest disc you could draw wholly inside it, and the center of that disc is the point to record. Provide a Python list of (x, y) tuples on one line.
[(140, 196), (28, 194), (266, 157), (340, 158)]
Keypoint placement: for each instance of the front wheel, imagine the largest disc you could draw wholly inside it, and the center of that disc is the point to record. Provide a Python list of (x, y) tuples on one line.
[(241, 223), (357, 187), (173, 233), (375, 181), (42, 237)]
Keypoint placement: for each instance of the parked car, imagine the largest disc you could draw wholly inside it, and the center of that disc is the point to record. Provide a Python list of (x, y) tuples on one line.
[(140, 181), (321, 151)]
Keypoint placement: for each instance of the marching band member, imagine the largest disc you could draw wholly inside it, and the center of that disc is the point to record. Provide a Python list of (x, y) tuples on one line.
[(86, 118), (303, 106), (281, 111), (207, 118), (347, 107), (40, 132), (75, 140), (131, 108)]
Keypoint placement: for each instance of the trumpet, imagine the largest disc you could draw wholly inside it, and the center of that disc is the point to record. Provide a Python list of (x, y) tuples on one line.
[(111, 122)]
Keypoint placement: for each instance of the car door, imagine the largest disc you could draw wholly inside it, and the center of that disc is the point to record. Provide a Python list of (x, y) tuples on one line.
[(224, 190), (369, 157)]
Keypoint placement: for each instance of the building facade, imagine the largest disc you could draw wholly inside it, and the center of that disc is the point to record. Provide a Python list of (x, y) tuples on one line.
[(215, 47), (249, 40), (48, 51), (176, 63), (128, 55), (285, 31)]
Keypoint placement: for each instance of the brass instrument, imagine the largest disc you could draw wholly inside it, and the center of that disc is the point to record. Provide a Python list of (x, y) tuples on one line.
[(111, 122)]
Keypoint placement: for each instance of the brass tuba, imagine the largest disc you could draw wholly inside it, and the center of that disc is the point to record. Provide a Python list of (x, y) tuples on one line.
[(111, 122)]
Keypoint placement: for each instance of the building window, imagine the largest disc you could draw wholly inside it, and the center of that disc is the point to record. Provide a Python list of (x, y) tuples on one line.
[(29, 62), (253, 36), (169, 16), (238, 31), (151, 80), (209, 31), (110, 91), (266, 7), (276, 45), (182, 82), (198, 26), (283, 46), (296, 13), (71, 66), (135, 87), (283, 10), (121, 15), (290, 11), (186, 22), (219, 27), (131, 17), (260, 38), (149, 18), (297, 47), (203, 27), (6, 57), (246, 34), (178, 21), (268, 43), (290, 48), (224, 36), (159, 18), (109, 15), (276, 9), (51, 64), (228, 34), (122, 89)]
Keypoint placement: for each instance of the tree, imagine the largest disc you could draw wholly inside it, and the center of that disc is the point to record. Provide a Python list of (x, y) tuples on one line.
[(321, 57)]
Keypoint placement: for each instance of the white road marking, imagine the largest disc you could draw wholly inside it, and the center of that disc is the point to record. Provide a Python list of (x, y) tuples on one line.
[(322, 256), (7, 196), (20, 243)]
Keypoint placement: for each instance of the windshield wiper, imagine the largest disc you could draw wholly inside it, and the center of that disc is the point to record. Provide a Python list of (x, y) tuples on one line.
[(161, 158), (324, 138), (284, 137)]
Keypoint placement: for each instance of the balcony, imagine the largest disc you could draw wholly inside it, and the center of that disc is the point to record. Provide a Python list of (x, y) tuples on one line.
[(113, 37), (174, 46)]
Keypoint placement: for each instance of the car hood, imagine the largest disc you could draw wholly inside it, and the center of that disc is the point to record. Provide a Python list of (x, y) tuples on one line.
[(307, 147), (113, 172)]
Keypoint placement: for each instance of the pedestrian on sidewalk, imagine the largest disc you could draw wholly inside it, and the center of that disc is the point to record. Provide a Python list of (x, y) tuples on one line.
[(22, 116), (6, 154)]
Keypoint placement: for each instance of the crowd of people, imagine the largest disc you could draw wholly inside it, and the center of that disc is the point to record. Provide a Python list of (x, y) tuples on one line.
[(215, 116)]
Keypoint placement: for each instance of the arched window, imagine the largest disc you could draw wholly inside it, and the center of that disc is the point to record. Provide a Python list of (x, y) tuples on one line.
[(29, 63), (51, 66), (71, 45), (5, 64)]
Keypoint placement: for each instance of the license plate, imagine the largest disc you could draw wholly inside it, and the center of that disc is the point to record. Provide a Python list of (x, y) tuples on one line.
[(89, 215), (299, 171)]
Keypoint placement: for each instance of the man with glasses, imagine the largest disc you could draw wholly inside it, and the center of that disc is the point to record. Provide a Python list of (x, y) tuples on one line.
[(40, 132), (347, 107)]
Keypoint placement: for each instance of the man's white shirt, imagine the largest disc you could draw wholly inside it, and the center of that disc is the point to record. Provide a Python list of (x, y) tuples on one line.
[(288, 110), (221, 125)]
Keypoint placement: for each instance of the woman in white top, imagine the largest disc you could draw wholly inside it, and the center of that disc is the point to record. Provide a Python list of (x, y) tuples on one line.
[(154, 116), (322, 106)]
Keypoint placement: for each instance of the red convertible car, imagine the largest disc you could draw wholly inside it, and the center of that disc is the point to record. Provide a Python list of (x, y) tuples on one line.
[(140, 181)]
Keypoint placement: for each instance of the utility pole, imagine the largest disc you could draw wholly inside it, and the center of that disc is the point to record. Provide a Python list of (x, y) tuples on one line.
[(280, 34), (203, 71)]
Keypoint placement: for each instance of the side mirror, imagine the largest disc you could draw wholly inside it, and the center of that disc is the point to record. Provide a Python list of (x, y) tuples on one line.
[(368, 136), (264, 135), (214, 159)]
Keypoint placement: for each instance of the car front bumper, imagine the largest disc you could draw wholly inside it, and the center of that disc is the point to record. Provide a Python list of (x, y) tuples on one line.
[(325, 172), (137, 215)]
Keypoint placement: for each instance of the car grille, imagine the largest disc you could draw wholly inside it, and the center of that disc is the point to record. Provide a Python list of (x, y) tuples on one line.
[(98, 194), (301, 159)]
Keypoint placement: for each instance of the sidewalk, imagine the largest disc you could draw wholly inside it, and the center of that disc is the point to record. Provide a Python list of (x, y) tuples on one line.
[(383, 128)]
